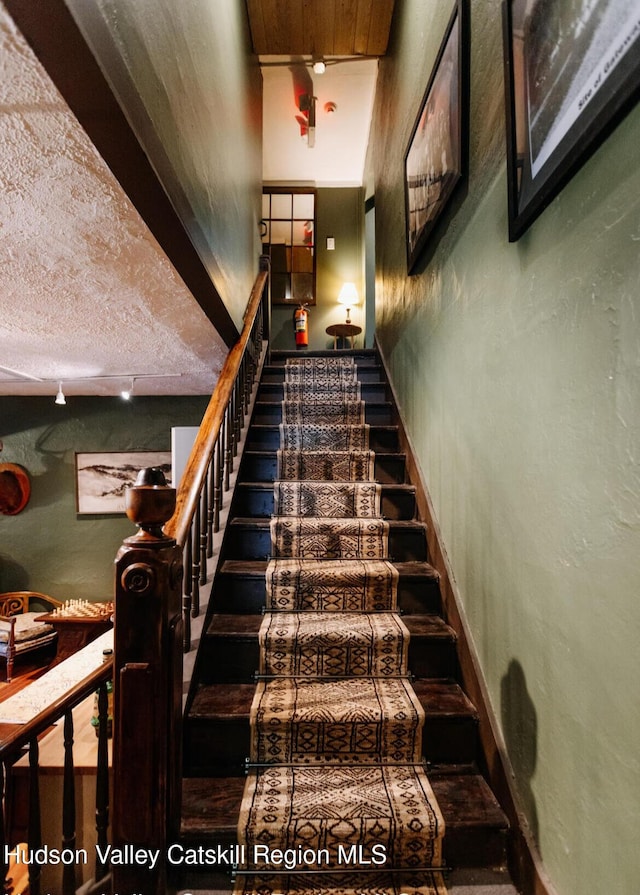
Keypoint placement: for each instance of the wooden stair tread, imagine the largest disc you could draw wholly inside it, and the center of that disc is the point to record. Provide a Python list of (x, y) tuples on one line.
[(258, 568), (220, 701), (247, 625), (428, 626), (388, 487), (281, 354), (270, 453), (234, 625), (444, 698), (211, 805), (466, 800), (261, 523)]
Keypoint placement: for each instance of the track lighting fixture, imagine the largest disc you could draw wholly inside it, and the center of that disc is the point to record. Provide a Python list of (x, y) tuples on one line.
[(126, 393)]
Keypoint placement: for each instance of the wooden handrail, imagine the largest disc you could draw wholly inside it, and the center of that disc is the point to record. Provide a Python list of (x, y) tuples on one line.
[(19, 736), (15, 738), (196, 469)]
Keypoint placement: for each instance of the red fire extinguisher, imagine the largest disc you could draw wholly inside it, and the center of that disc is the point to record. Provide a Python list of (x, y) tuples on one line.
[(301, 326)]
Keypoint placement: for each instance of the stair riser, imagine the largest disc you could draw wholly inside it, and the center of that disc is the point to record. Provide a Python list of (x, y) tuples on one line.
[(248, 542), (218, 746), (262, 467), (271, 414), (475, 847), (267, 438), (246, 594), (236, 659), (256, 501)]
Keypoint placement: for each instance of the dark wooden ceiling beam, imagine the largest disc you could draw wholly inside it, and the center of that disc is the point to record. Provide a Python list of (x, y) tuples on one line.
[(54, 37), (320, 27)]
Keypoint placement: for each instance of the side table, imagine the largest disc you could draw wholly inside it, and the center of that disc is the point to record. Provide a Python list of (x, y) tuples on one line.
[(78, 626), (343, 331)]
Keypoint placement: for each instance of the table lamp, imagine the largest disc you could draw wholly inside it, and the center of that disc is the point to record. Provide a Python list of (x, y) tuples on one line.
[(349, 297)]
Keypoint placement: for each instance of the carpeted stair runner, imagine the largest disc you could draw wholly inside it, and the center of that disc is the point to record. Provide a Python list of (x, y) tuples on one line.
[(336, 784), (316, 722), (321, 499), (324, 436), (330, 644), (329, 538), (353, 585), (337, 466)]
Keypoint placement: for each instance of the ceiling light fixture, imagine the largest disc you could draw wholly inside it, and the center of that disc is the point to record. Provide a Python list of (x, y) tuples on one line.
[(126, 393), (307, 105), (60, 398), (319, 67)]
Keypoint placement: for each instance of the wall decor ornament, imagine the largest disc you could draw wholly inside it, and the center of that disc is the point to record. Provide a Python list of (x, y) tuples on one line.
[(15, 489), (435, 161), (572, 71), (102, 478)]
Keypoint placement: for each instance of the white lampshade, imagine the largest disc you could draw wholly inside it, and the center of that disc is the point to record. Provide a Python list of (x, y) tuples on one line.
[(349, 295)]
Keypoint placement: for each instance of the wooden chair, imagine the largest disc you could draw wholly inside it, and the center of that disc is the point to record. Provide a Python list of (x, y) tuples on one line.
[(20, 634)]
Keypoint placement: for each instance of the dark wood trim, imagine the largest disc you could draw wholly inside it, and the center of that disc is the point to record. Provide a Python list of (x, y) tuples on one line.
[(525, 863), (56, 40)]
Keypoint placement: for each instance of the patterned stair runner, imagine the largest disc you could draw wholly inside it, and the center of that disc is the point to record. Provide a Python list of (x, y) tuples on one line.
[(337, 783)]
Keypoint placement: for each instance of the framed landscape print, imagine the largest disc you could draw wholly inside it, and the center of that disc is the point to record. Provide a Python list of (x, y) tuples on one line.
[(101, 478), (572, 71), (435, 159)]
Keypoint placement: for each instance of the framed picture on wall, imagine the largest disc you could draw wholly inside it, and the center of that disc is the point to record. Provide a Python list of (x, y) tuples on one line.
[(572, 71), (435, 159), (101, 478)]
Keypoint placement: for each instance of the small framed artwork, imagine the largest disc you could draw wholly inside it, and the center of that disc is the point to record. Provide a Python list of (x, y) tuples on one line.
[(101, 478), (435, 159), (572, 71)]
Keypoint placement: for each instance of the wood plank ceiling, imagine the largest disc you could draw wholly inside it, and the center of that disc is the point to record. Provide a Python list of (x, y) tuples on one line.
[(320, 27)]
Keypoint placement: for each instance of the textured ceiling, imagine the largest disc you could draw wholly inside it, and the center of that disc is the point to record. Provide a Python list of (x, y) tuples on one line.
[(88, 297), (85, 290)]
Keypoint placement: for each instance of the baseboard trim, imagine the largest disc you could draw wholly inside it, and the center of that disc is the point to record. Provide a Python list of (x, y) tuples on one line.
[(525, 863)]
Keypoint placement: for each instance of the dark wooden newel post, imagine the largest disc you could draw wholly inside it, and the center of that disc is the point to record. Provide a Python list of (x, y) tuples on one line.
[(147, 688)]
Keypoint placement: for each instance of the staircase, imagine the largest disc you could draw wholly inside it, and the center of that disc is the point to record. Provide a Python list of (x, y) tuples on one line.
[(217, 734)]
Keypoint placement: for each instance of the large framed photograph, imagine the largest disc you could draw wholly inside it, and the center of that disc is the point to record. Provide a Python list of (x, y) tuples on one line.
[(572, 71), (101, 478), (435, 159)]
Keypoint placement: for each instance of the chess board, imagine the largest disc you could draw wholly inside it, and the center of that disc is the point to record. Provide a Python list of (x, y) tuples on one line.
[(75, 609)]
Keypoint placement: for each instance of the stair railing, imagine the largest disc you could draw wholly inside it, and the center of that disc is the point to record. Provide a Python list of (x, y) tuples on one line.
[(206, 477), (158, 575), (18, 740)]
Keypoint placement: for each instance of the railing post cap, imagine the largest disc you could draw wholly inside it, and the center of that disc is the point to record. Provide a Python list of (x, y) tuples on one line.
[(149, 504)]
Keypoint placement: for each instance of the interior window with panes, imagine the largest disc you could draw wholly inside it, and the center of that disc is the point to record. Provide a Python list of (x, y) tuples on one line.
[(288, 224)]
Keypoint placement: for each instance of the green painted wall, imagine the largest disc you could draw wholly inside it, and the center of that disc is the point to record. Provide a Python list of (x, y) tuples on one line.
[(339, 213), (193, 93), (48, 547), (518, 372)]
